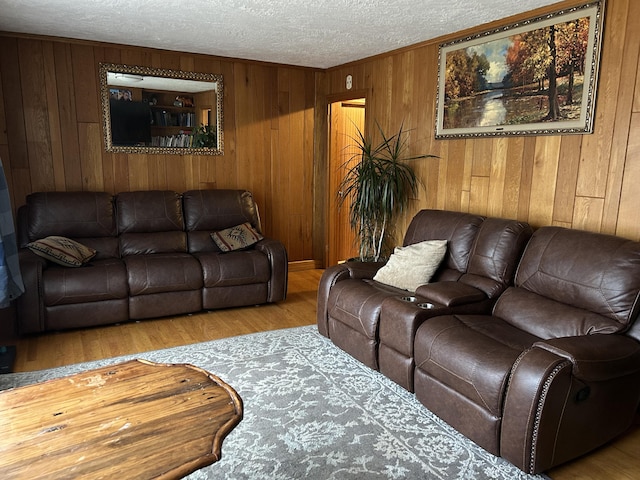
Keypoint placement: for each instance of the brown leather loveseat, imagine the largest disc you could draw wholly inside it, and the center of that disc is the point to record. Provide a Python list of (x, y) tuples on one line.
[(154, 256)]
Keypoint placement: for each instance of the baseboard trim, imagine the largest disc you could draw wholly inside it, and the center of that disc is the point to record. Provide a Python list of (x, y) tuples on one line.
[(300, 265)]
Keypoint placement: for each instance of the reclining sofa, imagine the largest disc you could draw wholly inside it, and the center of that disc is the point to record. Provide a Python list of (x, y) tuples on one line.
[(376, 322), (153, 256), (548, 373)]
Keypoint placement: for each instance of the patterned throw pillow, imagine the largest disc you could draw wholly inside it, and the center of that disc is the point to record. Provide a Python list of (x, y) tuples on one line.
[(235, 238), (62, 250)]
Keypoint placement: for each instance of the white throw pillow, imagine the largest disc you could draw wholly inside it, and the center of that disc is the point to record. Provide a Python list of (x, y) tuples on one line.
[(414, 265)]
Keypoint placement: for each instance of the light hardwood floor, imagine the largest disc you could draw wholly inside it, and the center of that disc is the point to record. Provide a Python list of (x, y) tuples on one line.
[(620, 460)]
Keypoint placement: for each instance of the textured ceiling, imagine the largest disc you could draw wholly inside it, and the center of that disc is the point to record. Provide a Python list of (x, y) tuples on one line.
[(321, 33)]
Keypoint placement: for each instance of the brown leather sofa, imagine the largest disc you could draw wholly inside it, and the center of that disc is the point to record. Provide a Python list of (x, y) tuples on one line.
[(155, 257), (554, 371), (376, 323), (543, 365)]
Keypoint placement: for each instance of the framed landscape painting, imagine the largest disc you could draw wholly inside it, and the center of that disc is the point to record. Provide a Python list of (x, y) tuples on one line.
[(536, 77)]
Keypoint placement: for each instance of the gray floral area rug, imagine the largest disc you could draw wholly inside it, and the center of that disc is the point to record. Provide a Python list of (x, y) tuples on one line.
[(312, 411)]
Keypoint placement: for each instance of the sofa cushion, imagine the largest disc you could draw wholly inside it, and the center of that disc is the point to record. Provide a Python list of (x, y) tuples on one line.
[(101, 281), (460, 229), (236, 238), (413, 265), (147, 212), (595, 273), (454, 349), (207, 211), (495, 255), (62, 250), (162, 272), (217, 209), (153, 242), (70, 214), (105, 247), (234, 268), (548, 318)]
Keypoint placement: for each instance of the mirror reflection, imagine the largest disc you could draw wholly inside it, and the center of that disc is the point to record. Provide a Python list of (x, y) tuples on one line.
[(147, 110)]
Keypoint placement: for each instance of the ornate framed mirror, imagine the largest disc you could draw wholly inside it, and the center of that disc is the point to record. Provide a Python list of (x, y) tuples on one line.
[(152, 110)]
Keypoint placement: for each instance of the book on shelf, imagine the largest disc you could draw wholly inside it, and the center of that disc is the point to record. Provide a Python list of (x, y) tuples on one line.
[(180, 140), (164, 118)]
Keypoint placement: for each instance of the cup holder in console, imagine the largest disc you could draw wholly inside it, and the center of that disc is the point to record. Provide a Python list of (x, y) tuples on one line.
[(412, 299), (426, 305)]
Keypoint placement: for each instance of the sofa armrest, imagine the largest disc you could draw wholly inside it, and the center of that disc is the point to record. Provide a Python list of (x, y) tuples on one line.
[(30, 305), (335, 274), (363, 270), (561, 396), (450, 294), (278, 260), (597, 357), (330, 277)]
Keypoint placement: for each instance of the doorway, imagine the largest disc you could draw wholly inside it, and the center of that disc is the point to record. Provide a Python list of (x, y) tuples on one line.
[(346, 117)]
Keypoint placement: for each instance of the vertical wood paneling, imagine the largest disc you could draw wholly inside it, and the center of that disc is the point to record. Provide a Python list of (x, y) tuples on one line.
[(588, 213), (54, 139), (91, 160), (13, 109), (579, 181), (321, 167), (619, 153), (54, 114), (497, 177), (157, 172), (307, 158), (34, 102), (592, 176), (67, 116), (525, 199), (543, 181), (512, 178), (479, 195), (629, 212), (455, 174), (276, 136), (85, 83), (120, 166), (568, 165)]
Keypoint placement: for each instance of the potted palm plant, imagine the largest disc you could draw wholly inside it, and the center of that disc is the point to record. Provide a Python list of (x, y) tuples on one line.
[(379, 185)]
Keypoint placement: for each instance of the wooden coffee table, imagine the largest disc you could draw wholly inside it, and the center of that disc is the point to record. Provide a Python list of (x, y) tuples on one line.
[(136, 419)]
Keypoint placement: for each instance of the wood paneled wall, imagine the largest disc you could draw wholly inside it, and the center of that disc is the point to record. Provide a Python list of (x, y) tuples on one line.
[(276, 136), (51, 131), (587, 182)]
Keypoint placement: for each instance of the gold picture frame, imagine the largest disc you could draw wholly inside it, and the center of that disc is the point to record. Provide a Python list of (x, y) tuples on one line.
[(535, 77), (166, 111)]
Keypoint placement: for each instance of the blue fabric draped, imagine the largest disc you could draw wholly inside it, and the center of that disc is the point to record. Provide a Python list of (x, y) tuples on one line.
[(11, 286)]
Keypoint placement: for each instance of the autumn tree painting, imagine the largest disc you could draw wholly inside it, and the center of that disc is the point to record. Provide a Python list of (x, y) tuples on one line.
[(534, 76)]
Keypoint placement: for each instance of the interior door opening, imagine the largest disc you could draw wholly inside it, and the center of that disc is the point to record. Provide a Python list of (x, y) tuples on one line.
[(346, 117)]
